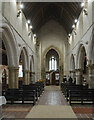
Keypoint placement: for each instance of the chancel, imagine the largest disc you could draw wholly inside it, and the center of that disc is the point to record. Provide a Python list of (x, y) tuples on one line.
[(47, 59)]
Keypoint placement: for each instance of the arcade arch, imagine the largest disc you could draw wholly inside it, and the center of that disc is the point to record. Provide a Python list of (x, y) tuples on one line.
[(82, 65)]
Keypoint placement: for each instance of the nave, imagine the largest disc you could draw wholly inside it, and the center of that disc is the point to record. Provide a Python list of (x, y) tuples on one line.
[(51, 97), (47, 59)]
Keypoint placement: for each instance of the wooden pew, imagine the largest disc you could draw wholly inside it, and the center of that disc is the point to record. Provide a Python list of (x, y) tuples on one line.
[(13, 95), (20, 95), (29, 95), (31, 87), (81, 95), (76, 87)]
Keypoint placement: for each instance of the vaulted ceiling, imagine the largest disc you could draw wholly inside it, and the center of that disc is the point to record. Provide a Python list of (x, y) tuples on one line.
[(63, 12)]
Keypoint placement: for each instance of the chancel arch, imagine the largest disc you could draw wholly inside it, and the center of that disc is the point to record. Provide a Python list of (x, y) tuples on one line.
[(52, 60), (54, 55)]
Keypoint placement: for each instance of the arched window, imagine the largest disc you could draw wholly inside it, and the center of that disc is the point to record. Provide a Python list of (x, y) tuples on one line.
[(52, 63)]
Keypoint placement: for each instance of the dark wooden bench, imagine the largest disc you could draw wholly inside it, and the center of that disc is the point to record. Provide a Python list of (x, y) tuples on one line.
[(81, 95), (13, 95), (31, 87), (76, 87), (65, 85), (29, 95), (20, 95)]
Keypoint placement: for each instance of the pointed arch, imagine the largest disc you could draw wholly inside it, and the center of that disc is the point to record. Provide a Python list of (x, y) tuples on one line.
[(10, 43), (54, 48), (24, 51), (81, 57)]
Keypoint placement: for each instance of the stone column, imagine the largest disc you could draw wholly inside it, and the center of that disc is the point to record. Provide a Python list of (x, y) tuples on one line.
[(13, 77), (79, 73), (33, 77), (25, 77), (91, 76), (72, 74), (28, 77)]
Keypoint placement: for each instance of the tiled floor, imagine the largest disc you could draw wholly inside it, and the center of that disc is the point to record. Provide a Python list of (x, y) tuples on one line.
[(51, 96), (84, 111), (16, 110)]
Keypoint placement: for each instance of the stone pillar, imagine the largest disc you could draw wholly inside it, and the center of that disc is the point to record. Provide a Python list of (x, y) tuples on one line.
[(91, 76), (28, 77), (72, 74), (25, 77), (79, 73), (13, 77), (33, 77)]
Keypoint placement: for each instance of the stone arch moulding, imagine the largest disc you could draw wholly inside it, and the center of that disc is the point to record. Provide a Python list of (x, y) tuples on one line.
[(81, 52), (25, 52), (49, 48), (57, 50), (8, 37)]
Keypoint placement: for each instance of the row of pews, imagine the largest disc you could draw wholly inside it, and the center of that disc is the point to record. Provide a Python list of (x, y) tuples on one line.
[(29, 92), (77, 93)]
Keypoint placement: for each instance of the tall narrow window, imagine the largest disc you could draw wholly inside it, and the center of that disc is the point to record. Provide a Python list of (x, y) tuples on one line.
[(20, 71), (52, 63), (55, 64)]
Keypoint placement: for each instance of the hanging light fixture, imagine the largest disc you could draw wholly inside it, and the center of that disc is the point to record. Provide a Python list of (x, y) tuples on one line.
[(31, 27), (73, 26), (28, 21), (34, 35), (75, 20)]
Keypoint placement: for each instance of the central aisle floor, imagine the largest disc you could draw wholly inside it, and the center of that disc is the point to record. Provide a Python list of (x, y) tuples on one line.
[(52, 101), (53, 97)]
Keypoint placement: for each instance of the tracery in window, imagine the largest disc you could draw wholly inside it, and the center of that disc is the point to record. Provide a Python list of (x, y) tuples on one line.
[(52, 63)]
